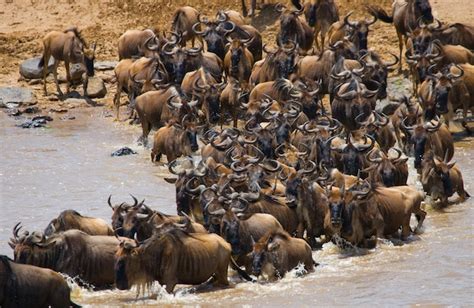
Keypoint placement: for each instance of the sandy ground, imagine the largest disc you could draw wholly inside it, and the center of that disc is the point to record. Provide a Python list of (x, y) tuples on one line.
[(24, 22)]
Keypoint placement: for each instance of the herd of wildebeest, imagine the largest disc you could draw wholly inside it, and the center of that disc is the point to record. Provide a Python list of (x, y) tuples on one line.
[(281, 173)]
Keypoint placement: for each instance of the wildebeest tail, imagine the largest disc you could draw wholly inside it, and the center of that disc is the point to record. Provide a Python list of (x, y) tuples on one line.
[(241, 272), (41, 62), (380, 13)]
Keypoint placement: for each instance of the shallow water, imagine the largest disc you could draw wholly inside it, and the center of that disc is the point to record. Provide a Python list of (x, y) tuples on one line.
[(68, 166)]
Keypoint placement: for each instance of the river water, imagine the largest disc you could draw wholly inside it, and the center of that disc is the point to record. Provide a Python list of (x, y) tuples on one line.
[(68, 166)]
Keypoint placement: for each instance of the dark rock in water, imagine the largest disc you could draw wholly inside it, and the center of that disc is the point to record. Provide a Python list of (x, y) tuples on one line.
[(17, 112), (123, 151), (39, 121), (32, 109), (105, 65), (96, 87), (13, 97), (29, 68)]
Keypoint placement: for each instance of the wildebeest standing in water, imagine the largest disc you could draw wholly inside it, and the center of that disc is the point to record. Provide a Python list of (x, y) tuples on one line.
[(71, 219), (67, 46), (173, 257), (30, 286), (277, 253), (73, 252)]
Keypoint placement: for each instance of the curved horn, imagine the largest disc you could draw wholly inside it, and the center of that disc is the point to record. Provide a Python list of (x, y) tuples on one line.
[(395, 62), (348, 22), (135, 204), (109, 202), (198, 32), (405, 126), (461, 73)]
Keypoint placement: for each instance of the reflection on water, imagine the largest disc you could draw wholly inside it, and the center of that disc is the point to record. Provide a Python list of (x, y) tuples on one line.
[(68, 166)]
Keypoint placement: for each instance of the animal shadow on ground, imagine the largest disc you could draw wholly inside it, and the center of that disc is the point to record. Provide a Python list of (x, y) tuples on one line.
[(265, 17)]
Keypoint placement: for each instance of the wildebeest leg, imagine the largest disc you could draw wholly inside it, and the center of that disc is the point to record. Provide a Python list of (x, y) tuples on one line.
[(46, 57), (420, 216), (117, 101), (55, 75), (400, 46), (221, 274), (146, 127), (405, 229), (68, 76), (463, 195), (85, 82), (253, 5)]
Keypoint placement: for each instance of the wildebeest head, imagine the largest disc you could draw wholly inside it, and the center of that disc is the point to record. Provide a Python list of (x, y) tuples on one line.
[(377, 70), (214, 34), (178, 61), (119, 211), (338, 214), (295, 180), (282, 62), (188, 184), (311, 12), (230, 229), (31, 248), (441, 170), (211, 104), (135, 218), (127, 265), (443, 86), (360, 30), (384, 167), (420, 136), (353, 154), (423, 9), (290, 26), (264, 250), (422, 62), (374, 124)]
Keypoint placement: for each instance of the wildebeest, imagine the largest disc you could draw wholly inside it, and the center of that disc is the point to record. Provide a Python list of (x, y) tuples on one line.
[(441, 179), (30, 286), (175, 140), (156, 108), (183, 20), (238, 61), (389, 171), (173, 257), (241, 229), (405, 17), (73, 252), (138, 43), (71, 219), (277, 253), (67, 46), (430, 137), (453, 91), (294, 29), (321, 14)]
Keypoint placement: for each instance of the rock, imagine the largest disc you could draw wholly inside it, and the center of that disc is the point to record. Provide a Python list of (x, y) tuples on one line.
[(29, 68), (96, 88), (58, 110), (123, 151), (76, 102), (32, 109), (39, 121), (65, 118), (11, 97), (105, 65), (76, 73)]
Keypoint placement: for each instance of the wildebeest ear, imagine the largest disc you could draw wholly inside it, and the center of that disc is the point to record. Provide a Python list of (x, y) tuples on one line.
[(170, 180), (451, 164), (402, 161)]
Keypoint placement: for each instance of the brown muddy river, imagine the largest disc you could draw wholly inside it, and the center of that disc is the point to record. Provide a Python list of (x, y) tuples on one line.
[(68, 166)]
